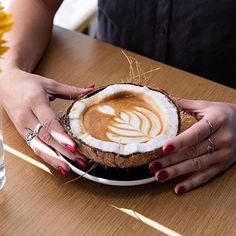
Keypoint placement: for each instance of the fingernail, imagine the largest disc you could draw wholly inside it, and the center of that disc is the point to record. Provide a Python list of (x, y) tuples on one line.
[(61, 170), (90, 86), (168, 149), (70, 148), (82, 163), (181, 190), (162, 175), (155, 166)]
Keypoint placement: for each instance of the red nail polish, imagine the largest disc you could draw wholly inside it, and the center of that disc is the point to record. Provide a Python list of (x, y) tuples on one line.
[(89, 86), (61, 170), (181, 190), (71, 148), (168, 149), (155, 166), (162, 175), (82, 163)]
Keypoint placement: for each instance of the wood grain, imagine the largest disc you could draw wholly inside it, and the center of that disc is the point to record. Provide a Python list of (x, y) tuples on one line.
[(35, 202)]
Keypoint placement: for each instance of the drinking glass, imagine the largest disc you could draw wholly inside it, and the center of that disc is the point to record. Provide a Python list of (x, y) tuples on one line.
[(2, 166)]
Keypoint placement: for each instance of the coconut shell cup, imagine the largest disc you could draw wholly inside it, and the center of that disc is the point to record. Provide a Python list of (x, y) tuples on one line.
[(111, 159)]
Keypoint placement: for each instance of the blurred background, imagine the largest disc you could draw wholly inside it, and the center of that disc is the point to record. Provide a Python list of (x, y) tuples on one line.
[(76, 15)]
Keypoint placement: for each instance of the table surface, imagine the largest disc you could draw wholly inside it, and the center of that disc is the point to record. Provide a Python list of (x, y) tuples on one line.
[(36, 200)]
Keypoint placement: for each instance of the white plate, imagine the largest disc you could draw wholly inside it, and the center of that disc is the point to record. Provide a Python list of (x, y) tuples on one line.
[(110, 176)]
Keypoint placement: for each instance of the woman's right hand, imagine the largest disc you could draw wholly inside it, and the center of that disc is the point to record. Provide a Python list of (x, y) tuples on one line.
[(26, 98)]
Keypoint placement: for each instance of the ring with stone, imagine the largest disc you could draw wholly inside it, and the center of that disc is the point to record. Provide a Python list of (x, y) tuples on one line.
[(29, 137), (37, 128)]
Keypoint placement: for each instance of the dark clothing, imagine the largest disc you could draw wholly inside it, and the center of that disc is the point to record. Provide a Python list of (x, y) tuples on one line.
[(198, 36)]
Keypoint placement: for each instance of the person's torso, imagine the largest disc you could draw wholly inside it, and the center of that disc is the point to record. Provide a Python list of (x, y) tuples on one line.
[(198, 36)]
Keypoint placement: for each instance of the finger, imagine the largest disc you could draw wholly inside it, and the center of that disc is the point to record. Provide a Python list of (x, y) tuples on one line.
[(90, 86), (199, 178), (190, 105), (23, 119), (32, 122), (48, 119), (192, 165), (187, 153), (192, 136), (51, 142), (49, 156), (68, 92)]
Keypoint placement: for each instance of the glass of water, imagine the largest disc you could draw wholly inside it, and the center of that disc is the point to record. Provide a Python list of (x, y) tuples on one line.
[(2, 166)]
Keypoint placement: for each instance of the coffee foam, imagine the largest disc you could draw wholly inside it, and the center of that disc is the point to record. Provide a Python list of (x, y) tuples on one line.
[(136, 126), (124, 119)]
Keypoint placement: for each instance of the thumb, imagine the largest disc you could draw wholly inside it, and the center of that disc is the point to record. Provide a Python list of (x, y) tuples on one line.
[(69, 92)]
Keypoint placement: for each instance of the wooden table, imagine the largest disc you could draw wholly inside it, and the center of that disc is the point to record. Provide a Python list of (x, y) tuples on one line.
[(38, 201)]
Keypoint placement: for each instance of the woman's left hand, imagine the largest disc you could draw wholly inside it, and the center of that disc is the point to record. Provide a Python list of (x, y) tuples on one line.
[(204, 150)]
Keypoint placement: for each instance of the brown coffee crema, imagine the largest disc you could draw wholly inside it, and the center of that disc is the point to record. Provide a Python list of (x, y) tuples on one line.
[(124, 118)]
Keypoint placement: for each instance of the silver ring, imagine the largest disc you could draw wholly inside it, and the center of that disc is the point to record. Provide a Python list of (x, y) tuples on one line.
[(37, 128), (29, 137), (210, 146), (211, 127)]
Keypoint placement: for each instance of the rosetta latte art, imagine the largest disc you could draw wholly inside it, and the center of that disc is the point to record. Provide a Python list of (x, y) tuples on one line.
[(139, 125)]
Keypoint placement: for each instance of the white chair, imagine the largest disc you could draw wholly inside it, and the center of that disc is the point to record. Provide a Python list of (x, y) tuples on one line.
[(76, 14)]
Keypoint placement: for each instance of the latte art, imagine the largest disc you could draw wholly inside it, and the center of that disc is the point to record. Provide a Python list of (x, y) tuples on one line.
[(139, 125), (123, 119)]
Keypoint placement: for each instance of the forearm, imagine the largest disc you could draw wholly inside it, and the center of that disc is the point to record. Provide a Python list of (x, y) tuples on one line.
[(33, 20)]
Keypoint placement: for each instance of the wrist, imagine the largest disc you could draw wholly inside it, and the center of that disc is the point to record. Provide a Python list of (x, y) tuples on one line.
[(13, 61), (7, 65), (8, 72)]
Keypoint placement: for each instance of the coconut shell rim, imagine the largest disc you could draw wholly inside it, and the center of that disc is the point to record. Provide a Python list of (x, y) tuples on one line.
[(64, 120)]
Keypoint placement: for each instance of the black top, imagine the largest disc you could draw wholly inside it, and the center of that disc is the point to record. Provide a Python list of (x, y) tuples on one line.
[(198, 36)]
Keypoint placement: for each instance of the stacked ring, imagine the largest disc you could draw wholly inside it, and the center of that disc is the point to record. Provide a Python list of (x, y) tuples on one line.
[(37, 128), (29, 137), (211, 127), (32, 134), (210, 146)]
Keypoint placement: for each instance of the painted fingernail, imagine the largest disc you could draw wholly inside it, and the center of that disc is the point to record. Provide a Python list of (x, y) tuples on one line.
[(162, 175), (90, 86), (70, 148), (155, 166), (82, 163), (61, 170), (181, 190), (168, 149)]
